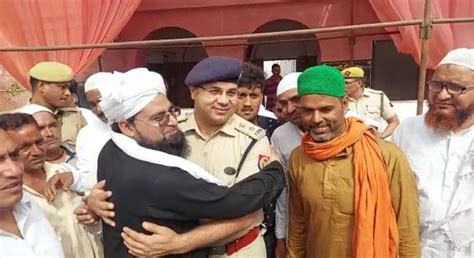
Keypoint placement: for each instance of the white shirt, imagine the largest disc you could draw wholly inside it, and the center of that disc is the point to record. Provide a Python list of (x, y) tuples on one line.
[(284, 139), (264, 112), (89, 115), (39, 239), (90, 141), (443, 164)]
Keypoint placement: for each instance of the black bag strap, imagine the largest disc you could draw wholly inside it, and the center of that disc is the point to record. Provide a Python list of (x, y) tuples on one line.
[(246, 153)]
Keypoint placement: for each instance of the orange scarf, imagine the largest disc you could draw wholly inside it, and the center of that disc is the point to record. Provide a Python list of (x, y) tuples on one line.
[(375, 227)]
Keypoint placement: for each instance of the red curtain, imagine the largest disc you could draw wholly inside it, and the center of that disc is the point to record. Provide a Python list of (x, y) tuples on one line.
[(35, 23), (444, 37)]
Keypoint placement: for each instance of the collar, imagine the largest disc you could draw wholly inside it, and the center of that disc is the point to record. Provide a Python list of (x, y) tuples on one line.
[(21, 211), (364, 94), (69, 152), (191, 125)]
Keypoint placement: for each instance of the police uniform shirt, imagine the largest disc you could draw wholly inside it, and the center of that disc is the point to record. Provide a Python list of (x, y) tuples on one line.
[(373, 104), (222, 152)]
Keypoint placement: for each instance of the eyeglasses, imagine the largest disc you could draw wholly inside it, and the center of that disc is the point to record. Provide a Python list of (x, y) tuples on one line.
[(163, 119), (451, 88), (214, 93)]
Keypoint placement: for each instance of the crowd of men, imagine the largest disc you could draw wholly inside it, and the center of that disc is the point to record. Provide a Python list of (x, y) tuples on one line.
[(133, 177)]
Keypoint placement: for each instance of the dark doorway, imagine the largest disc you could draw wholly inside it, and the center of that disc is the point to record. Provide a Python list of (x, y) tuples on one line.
[(303, 48), (393, 72), (174, 63)]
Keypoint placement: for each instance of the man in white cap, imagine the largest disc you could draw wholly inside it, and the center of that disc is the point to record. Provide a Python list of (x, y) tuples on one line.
[(440, 148), (55, 151), (284, 139), (93, 136), (143, 166)]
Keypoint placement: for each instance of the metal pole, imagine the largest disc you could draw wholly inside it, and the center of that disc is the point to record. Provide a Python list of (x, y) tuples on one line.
[(264, 42), (351, 33), (150, 43), (452, 20), (425, 32)]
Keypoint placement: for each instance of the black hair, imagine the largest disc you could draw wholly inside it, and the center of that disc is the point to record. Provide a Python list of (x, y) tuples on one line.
[(251, 75), (73, 87), (16, 121), (34, 83), (275, 65), (116, 128)]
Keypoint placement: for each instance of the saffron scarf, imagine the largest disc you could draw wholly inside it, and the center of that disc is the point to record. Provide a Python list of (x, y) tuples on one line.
[(375, 231)]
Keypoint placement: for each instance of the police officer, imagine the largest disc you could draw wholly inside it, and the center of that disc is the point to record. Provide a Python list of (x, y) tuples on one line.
[(371, 105), (251, 87), (50, 82), (223, 143)]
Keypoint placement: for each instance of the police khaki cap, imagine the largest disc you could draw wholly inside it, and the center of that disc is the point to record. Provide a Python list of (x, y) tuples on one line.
[(353, 72), (51, 72)]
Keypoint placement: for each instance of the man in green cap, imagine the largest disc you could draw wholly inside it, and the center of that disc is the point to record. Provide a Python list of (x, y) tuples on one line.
[(352, 194), (50, 82)]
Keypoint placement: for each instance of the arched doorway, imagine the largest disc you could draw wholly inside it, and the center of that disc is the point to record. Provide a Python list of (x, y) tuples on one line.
[(303, 49), (174, 63)]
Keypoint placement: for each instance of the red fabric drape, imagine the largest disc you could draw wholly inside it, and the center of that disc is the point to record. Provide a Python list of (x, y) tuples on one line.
[(444, 38), (58, 22)]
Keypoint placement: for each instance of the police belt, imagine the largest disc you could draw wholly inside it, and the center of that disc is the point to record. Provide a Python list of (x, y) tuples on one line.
[(236, 245)]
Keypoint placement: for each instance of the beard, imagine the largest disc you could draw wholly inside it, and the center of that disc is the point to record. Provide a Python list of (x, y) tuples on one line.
[(176, 145), (445, 122)]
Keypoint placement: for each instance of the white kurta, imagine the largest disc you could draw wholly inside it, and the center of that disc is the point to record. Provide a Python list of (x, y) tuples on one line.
[(90, 141), (76, 241), (444, 167), (38, 237), (284, 139)]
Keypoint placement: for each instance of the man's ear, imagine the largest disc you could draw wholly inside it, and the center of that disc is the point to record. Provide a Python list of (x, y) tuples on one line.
[(126, 128), (41, 86), (345, 104), (193, 91)]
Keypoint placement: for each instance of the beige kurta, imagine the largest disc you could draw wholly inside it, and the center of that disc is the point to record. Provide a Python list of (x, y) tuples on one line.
[(76, 241), (71, 121), (321, 204), (223, 152)]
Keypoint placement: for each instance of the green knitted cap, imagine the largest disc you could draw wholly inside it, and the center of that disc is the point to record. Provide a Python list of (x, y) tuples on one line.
[(322, 80)]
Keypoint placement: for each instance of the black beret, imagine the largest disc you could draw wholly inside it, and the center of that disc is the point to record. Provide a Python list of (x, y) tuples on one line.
[(213, 69)]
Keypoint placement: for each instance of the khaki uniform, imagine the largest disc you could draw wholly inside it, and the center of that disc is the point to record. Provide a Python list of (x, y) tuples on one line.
[(221, 155), (76, 241), (71, 121), (373, 107)]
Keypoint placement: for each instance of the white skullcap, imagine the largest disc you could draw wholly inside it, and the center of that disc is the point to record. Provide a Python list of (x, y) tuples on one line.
[(461, 56), (136, 88), (100, 78), (289, 82), (33, 109)]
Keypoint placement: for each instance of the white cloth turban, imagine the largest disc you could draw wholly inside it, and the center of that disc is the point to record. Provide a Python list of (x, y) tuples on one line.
[(136, 88), (461, 56), (289, 82), (33, 109), (96, 80)]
